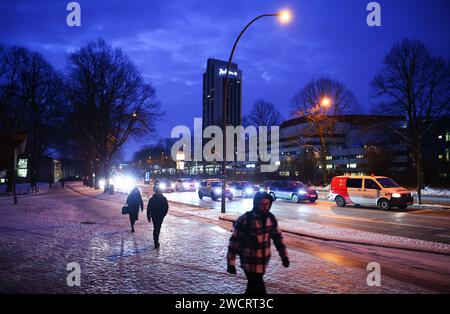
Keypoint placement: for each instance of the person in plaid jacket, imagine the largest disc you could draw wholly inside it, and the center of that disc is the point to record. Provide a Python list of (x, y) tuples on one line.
[(251, 241)]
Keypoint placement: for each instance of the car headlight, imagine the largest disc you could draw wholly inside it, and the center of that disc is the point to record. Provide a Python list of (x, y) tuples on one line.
[(162, 186), (218, 190), (396, 195), (261, 190), (302, 192), (248, 190), (196, 185)]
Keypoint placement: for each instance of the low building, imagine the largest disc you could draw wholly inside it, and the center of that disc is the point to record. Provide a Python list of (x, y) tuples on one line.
[(356, 144), (436, 153)]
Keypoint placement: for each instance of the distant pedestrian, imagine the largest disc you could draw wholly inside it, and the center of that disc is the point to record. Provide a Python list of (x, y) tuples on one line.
[(251, 242), (156, 211), (51, 179), (62, 183), (33, 182), (134, 202)]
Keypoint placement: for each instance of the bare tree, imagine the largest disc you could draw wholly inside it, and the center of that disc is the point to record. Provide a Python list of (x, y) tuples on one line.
[(378, 160), (319, 102), (110, 101), (156, 154), (263, 113), (306, 164), (415, 84), (31, 101)]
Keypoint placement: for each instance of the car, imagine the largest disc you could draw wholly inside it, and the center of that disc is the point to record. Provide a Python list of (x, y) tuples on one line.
[(379, 191), (213, 188), (165, 185), (244, 189), (183, 185), (294, 191)]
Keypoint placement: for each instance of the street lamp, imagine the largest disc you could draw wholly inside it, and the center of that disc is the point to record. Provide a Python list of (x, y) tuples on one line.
[(325, 102), (284, 17)]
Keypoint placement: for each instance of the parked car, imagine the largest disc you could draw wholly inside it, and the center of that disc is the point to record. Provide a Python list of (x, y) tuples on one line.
[(183, 185), (294, 191), (165, 185), (370, 191), (244, 189), (213, 188)]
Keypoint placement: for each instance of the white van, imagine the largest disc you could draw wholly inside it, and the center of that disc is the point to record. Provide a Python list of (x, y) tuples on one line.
[(370, 191)]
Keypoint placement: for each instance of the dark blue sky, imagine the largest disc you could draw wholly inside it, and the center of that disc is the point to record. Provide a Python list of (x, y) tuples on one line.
[(171, 40)]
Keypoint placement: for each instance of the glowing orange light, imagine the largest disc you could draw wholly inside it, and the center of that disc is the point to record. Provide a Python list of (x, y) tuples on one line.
[(325, 102), (285, 16)]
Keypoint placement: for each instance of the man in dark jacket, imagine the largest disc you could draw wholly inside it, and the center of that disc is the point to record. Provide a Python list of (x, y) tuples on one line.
[(156, 210), (251, 241)]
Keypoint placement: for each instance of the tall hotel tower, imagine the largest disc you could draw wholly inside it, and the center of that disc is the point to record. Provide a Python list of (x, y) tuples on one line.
[(213, 85)]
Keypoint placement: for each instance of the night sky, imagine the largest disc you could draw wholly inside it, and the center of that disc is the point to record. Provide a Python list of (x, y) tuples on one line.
[(171, 40)]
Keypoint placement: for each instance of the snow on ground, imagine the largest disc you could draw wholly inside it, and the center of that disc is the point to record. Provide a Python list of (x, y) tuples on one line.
[(354, 236), (43, 233), (327, 232), (24, 188), (434, 192)]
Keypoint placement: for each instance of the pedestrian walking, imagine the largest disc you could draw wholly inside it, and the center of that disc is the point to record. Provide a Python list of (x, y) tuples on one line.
[(156, 211), (251, 242), (33, 182), (62, 183), (134, 203), (51, 179)]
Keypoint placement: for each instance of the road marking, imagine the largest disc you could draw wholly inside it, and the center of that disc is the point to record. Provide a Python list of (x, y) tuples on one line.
[(356, 219), (372, 221), (380, 222), (189, 202)]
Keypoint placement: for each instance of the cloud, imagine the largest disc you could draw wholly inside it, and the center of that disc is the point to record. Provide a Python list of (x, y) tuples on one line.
[(170, 41)]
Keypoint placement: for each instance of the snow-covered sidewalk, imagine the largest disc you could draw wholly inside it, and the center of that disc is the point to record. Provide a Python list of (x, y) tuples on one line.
[(43, 233)]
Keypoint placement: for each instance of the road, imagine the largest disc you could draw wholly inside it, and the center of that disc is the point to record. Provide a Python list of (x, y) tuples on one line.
[(429, 225), (43, 233)]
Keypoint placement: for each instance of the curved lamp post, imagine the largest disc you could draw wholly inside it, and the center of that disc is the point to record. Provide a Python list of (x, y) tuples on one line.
[(284, 17)]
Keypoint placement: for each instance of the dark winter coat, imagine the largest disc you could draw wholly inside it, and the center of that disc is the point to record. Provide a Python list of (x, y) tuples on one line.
[(135, 203), (157, 208), (251, 237)]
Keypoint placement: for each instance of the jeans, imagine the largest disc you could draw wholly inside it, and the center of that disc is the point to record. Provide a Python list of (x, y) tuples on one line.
[(156, 229)]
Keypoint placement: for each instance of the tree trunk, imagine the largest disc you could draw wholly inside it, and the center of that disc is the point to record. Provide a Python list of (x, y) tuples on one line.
[(95, 175), (107, 167), (419, 173), (323, 157), (90, 175)]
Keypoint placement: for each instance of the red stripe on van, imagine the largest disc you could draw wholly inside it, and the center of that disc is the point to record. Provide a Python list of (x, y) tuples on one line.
[(339, 187)]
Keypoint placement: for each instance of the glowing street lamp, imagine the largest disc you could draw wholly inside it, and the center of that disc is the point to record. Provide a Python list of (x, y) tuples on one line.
[(325, 102), (284, 17)]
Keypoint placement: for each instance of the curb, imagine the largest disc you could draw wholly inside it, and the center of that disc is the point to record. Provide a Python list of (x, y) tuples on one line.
[(322, 237)]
